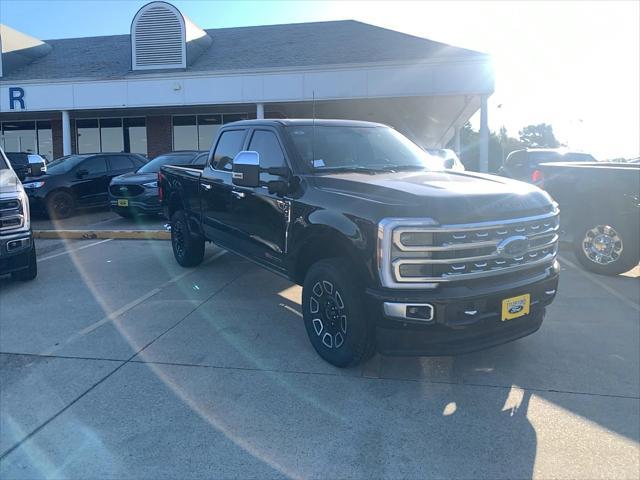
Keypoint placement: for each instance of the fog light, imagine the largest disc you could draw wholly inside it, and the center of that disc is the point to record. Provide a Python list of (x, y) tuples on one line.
[(419, 312)]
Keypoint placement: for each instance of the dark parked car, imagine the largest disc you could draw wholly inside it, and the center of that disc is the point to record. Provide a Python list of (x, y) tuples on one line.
[(78, 181), (393, 252), (523, 164), (137, 192), (600, 204), (27, 164)]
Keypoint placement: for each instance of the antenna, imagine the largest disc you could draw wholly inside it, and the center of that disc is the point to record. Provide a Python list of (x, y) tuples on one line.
[(313, 129)]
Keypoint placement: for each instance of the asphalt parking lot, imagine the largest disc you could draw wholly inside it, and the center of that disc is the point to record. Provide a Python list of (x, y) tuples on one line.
[(117, 363)]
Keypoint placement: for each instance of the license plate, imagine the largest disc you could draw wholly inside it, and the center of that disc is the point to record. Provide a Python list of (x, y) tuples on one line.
[(123, 203), (515, 307)]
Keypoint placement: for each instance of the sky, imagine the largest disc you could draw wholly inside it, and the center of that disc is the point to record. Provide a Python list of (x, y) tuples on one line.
[(575, 64)]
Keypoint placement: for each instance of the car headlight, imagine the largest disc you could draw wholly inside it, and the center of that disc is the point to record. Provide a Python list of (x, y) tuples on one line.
[(31, 185), (153, 184)]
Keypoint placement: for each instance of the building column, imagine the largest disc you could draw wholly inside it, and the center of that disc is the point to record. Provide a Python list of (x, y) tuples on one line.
[(484, 135), (259, 111), (66, 133), (456, 140)]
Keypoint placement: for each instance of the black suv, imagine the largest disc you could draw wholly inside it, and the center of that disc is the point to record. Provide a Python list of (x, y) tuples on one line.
[(137, 192), (78, 181), (523, 164)]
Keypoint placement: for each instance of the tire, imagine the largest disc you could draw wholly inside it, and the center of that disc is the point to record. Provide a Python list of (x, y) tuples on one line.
[(31, 272), (60, 205), (335, 315), (187, 247), (621, 254)]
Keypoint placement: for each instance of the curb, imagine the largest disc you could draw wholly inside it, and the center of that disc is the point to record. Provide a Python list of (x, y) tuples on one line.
[(103, 234)]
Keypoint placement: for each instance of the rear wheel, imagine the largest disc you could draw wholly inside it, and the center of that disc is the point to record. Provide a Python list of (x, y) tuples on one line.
[(335, 315), (60, 205), (607, 247), (31, 272), (188, 248)]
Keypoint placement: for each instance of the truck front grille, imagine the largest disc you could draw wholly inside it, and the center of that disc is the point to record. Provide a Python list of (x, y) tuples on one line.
[(11, 215), (445, 253)]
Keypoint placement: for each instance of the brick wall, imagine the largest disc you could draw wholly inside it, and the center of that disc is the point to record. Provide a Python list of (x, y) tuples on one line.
[(158, 135)]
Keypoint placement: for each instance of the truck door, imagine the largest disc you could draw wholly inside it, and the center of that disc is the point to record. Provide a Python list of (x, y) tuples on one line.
[(262, 218), (216, 188)]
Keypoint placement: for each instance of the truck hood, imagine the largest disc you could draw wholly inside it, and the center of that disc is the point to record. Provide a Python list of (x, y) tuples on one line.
[(447, 197)]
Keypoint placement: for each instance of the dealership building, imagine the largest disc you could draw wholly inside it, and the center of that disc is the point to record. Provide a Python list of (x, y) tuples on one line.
[(170, 84)]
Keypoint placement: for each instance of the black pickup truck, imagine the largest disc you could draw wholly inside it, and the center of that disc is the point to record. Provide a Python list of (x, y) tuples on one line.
[(600, 205), (393, 253)]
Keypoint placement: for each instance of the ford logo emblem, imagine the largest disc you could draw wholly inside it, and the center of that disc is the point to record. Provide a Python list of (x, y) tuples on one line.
[(513, 247)]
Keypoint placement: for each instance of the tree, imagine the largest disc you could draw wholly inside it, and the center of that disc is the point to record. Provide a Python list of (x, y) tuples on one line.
[(538, 136)]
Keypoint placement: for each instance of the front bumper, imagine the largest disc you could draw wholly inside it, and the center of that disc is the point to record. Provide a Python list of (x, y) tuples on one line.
[(15, 250), (452, 331), (146, 203)]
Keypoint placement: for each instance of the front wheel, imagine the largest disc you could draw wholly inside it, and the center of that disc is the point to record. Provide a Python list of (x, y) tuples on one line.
[(606, 247), (31, 272), (335, 315), (60, 205), (187, 247)]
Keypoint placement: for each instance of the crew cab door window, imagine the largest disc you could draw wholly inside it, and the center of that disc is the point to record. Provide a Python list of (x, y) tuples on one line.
[(229, 145), (266, 144)]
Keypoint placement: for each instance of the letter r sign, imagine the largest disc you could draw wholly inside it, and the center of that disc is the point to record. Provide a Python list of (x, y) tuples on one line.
[(16, 94)]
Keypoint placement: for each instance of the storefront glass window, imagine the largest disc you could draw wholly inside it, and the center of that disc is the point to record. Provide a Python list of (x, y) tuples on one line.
[(208, 126), (135, 135), (19, 137), (234, 117), (111, 138), (45, 141), (88, 136), (185, 132)]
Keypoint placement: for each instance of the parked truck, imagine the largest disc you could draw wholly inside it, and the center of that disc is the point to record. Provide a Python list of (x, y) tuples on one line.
[(17, 249), (600, 204), (394, 253)]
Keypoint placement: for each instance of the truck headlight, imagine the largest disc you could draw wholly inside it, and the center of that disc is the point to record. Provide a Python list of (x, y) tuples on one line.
[(32, 185), (399, 239), (153, 184)]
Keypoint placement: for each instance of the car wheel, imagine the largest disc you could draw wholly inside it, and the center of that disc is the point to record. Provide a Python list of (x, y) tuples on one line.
[(60, 205), (187, 247), (31, 272), (335, 315), (605, 247)]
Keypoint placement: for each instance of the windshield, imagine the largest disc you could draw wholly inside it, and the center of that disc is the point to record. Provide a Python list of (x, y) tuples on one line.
[(353, 148), (173, 159), (64, 164)]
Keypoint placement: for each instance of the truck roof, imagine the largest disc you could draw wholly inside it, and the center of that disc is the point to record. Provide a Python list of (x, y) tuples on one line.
[(287, 122)]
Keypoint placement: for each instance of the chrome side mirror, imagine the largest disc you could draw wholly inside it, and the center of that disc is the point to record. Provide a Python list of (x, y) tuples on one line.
[(246, 169)]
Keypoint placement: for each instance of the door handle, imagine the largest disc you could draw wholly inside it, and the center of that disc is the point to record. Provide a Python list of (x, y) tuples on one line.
[(237, 194), (206, 186)]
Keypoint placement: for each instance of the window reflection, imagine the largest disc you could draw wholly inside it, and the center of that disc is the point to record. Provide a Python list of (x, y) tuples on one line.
[(88, 135), (45, 139), (197, 132), (111, 138), (185, 132), (135, 135)]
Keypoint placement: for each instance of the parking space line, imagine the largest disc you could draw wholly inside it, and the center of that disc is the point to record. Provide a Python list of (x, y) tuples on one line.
[(66, 252), (601, 284), (124, 309)]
